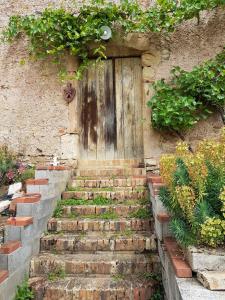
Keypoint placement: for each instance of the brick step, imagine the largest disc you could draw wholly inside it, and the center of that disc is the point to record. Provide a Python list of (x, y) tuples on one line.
[(108, 189), (120, 209), (110, 172), (90, 288), (107, 177), (109, 182), (101, 263), (85, 225), (112, 163), (116, 194), (75, 243)]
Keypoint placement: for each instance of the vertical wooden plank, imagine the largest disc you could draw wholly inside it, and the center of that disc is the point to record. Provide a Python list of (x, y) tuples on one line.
[(133, 100), (100, 92), (119, 108), (138, 96), (83, 100), (110, 120), (128, 99), (92, 114), (74, 107)]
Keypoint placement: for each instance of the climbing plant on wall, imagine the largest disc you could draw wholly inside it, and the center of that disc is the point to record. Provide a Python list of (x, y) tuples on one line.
[(54, 31), (189, 96)]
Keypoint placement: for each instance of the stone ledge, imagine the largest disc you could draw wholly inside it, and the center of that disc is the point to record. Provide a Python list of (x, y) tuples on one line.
[(37, 181), (154, 179), (53, 168), (28, 198), (154, 188), (212, 280), (206, 259), (20, 221), (3, 275), (157, 185), (181, 267), (10, 247), (163, 217), (190, 288)]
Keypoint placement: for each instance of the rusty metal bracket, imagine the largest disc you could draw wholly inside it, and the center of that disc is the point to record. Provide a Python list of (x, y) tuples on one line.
[(69, 92)]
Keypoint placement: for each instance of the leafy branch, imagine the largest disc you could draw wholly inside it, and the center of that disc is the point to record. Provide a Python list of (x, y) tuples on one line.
[(189, 96), (53, 32)]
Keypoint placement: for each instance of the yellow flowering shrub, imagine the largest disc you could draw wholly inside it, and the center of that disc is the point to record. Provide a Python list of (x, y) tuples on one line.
[(213, 151), (222, 199), (222, 136), (167, 168), (198, 172), (182, 149), (213, 232), (186, 198), (195, 192)]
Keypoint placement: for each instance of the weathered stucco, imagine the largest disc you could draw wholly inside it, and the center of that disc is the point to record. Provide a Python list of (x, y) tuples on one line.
[(35, 119)]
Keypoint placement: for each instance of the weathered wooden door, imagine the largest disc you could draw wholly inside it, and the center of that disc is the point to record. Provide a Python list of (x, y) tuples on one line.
[(110, 98)]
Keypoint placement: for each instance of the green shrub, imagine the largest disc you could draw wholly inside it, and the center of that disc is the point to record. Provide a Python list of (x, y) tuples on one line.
[(12, 170), (189, 96), (24, 292), (27, 174), (195, 193), (7, 165)]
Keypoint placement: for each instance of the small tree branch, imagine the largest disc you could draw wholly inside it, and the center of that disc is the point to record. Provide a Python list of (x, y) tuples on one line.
[(183, 139)]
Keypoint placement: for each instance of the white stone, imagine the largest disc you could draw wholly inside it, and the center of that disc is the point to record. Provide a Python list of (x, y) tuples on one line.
[(191, 289), (14, 188), (213, 280), (69, 146), (3, 205), (201, 259), (150, 162), (148, 74), (139, 41), (149, 59)]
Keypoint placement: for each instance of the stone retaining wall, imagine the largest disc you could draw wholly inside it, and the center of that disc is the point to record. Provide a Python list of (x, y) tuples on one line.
[(179, 281), (22, 233)]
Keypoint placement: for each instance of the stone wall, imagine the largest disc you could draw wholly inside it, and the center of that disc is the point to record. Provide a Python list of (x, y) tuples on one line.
[(36, 121), (23, 232), (190, 45)]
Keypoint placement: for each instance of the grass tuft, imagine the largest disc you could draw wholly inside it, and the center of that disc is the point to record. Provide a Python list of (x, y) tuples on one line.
[(141, 213), (58, 273)]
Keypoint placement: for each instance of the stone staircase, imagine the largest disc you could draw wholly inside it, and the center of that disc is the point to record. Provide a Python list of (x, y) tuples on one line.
[(101, 244)]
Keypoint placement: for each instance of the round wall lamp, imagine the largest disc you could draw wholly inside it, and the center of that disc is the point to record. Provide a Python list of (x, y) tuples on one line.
[(106, 33)]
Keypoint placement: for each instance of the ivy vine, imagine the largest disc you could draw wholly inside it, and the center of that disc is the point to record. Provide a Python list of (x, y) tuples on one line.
[(190, 96), (54, 31)]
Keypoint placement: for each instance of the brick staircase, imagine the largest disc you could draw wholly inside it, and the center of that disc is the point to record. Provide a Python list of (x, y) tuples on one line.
[(101, 246)]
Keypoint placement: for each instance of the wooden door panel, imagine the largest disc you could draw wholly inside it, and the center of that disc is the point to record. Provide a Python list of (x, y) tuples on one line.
[(100, 90), (138, 107), (110, 106), (129, 107), (120, 153), (111, 110)]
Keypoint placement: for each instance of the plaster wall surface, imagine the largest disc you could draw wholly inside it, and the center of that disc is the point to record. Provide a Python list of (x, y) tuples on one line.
[(34, 116)]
